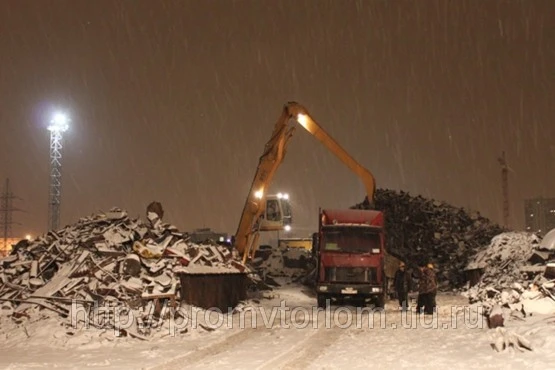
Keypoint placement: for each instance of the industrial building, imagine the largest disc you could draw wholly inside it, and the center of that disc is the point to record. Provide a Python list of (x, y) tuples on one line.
[(539, 215)]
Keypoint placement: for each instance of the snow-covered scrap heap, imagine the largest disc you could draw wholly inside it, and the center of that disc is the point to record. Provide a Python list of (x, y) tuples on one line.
[(283, 261), (514, 274), (418, 228), (105, 260)]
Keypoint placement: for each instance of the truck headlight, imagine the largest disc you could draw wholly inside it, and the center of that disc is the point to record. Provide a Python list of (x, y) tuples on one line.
[(375, 250), (376, 290), (323, 288)]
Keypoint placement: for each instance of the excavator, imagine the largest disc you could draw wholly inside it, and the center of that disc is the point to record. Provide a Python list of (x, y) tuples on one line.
[(272, 212)]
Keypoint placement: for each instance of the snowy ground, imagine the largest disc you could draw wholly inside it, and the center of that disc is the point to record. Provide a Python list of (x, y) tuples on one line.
[(324, 341)]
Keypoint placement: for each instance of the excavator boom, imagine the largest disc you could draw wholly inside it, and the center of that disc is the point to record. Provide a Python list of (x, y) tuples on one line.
[(246, 236), (274, 152), (305, 119)]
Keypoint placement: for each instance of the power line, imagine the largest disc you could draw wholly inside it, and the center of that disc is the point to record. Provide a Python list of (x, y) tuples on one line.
[(6, 212)]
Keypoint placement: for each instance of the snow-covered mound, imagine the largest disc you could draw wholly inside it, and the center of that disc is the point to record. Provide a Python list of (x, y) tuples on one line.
[(107, 263), (514, 275), (506, 250)]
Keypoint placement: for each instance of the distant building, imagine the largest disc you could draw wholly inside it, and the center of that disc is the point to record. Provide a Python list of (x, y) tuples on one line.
[(539, 215)]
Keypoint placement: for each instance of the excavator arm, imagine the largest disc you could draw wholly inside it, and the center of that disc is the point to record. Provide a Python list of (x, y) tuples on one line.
[(274, 152), (305, 119), (246, 236)]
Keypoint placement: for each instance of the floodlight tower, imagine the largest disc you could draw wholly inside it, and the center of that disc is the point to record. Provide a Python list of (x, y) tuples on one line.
[(58, 125)]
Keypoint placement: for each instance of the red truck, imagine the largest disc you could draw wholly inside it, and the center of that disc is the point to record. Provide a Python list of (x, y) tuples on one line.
[(350, 254)]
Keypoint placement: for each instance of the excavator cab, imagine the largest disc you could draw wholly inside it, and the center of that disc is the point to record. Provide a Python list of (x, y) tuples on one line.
[(277, 214)]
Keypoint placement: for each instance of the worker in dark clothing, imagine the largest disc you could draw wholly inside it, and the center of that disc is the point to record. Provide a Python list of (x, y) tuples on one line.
[(403, 285), (427, 287)]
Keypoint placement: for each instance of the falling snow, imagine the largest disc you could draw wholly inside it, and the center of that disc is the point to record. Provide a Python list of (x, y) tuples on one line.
[(174, 101)]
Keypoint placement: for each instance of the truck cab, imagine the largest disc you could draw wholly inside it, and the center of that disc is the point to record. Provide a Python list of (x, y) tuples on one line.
[(350, 252)]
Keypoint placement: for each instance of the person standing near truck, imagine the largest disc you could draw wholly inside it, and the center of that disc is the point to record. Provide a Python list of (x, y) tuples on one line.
[(427, 288), (403, 285)]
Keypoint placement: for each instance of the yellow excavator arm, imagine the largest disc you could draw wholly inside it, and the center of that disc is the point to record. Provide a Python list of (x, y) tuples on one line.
[(246, 236), (305, 119)]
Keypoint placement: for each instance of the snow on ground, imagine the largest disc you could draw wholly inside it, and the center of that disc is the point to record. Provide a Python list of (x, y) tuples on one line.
[(324, 341)]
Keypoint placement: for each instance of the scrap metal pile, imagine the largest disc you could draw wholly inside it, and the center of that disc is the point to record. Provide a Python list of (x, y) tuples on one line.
[(293, 263), (418, 228), (515, 274), (105, 261)]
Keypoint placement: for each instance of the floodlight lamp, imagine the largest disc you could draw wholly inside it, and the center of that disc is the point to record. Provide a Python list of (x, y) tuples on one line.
[(302, 119), (59, 123)]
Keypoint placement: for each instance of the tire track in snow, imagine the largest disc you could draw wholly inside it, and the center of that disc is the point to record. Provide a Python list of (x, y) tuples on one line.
[(316, 345), (212, 349), (283, 356), (305, 351)]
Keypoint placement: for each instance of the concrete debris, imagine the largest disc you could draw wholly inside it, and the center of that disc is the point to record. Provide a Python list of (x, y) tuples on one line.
[(418, 228), (548, 241), (512, 280), (105, 261), (505, 340), (495, 317)]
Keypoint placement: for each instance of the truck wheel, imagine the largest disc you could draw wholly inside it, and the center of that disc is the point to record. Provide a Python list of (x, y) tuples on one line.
[(321, 298), (380, 301)]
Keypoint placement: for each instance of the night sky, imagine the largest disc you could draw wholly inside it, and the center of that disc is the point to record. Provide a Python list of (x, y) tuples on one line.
[(174, 100)]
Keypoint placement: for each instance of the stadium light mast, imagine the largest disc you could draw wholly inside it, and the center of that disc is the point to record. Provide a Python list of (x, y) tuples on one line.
[(58, 125)]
